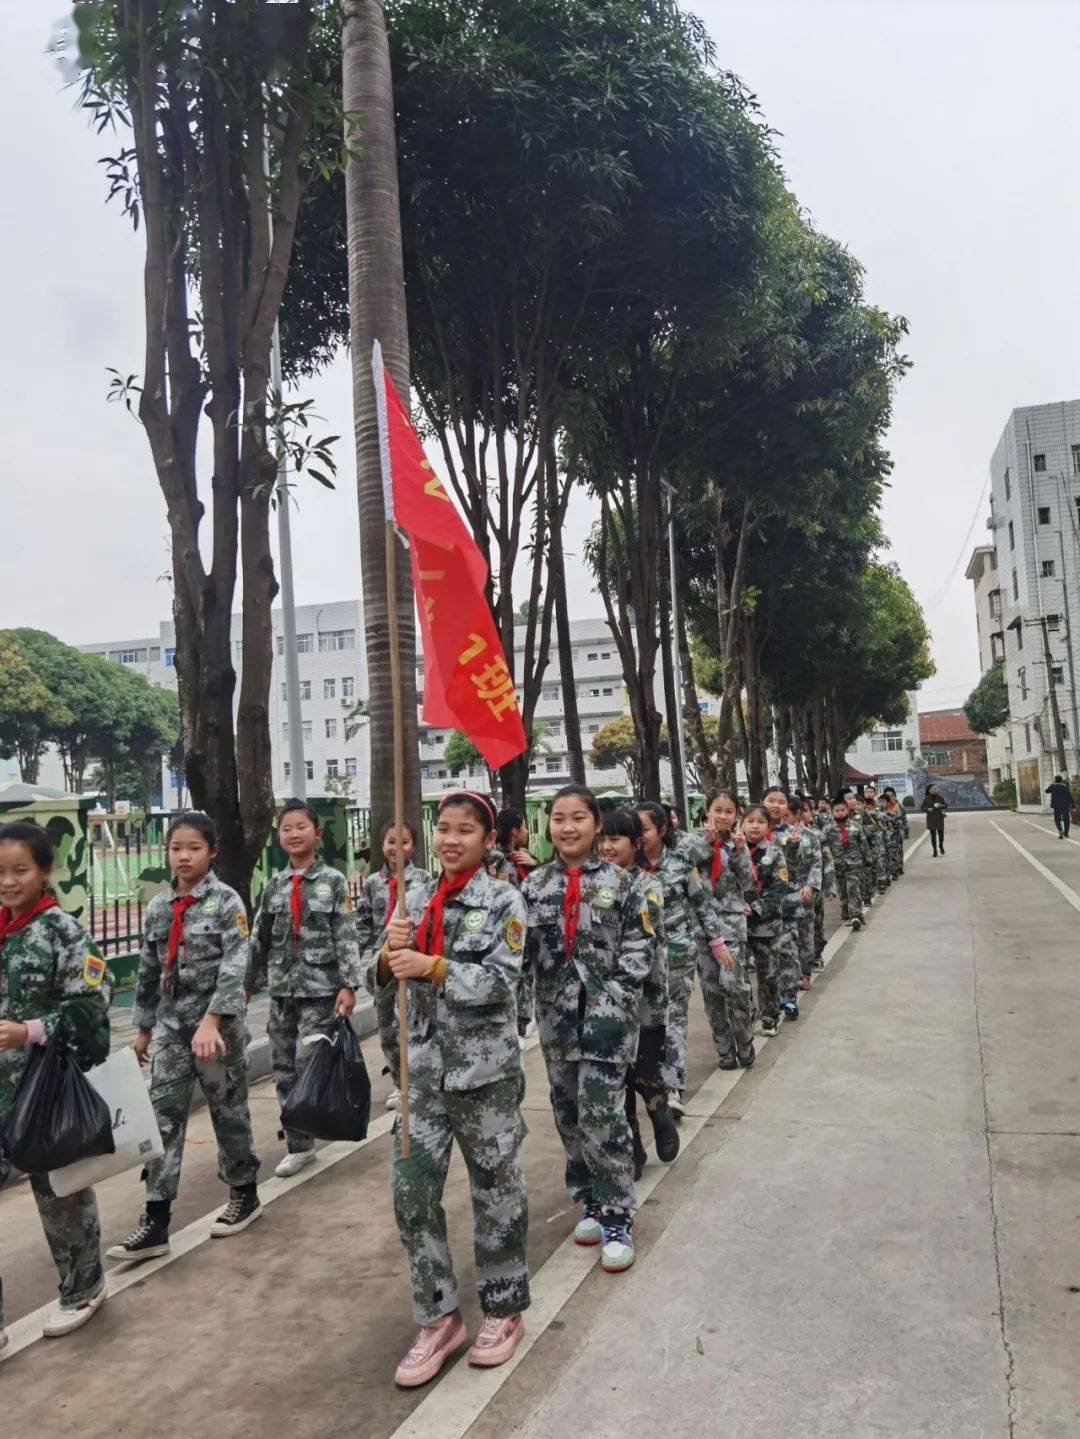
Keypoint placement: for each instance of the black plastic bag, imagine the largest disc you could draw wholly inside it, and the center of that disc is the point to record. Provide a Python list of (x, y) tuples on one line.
[(56, 1115), (332, 1097)]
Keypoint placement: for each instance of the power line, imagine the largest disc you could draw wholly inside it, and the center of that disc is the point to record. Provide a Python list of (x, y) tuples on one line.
[(940, 593)]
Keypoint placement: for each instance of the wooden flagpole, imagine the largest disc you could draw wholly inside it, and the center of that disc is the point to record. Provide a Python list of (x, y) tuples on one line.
[(391, 547)]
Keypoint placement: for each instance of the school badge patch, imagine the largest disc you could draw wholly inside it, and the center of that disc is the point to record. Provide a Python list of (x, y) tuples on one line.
[(323, 890), (94, 970), (515, 935), (605, 897), (242, 924), (475, 919), (211, 905)]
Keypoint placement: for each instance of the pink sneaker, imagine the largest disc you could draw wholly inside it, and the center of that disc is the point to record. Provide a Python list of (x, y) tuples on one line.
[(497, 1341), (805, 981), (431, 1348)]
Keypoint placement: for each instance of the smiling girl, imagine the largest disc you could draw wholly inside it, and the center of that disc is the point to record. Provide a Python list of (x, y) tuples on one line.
[(589, 946), (730, 876), (768, 911), (460, 948), (52, 978)]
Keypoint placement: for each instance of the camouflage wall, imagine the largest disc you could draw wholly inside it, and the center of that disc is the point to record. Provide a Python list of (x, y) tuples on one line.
[(64, 820)]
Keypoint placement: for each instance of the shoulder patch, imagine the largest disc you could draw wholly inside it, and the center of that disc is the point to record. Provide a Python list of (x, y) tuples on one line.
[(515, 935), (655, 897), (347, 903), (782, 874), (646, 922), (474, 918), (94, 970), (605, 897), (242, 924)]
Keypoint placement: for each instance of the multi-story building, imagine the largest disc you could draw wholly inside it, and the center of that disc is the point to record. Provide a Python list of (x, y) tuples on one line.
[(982, 571), (950, 747), (1035, 521), (886, 753)]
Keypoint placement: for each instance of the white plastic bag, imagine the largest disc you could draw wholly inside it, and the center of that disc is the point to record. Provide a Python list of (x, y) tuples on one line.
[(120, 1083)]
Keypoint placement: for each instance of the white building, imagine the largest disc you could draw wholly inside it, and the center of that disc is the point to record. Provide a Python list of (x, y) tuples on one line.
[(888, 752), (1035, 521), (982, 571)]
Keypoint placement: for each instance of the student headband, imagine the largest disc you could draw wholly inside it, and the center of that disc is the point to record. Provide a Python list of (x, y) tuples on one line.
[(472, 794)]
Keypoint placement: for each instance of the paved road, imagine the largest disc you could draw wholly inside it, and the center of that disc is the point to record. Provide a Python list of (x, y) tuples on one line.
[(874, 1232)]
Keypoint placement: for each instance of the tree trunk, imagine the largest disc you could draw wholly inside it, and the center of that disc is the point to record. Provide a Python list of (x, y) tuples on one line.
[(671, 700), (704, 762), (796, 720), (571, 715), (781, 728), (377, 310), (756, 768)]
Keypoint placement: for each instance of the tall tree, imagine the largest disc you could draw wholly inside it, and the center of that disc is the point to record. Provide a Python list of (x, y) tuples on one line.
[(29, 712), (377, 312), (227, 116), (987, 706)]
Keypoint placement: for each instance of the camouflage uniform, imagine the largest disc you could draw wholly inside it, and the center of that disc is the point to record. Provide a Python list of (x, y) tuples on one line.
[(828, 884), (208, 978), (371, 916), (500, 866), (806, 868), (694, 848), (898, 831), (304, 971), (768, 937), (851, 854), (877, 829), (466, 1083), (729, 1000), (646, 1075), (53, 971), (588, 1008)]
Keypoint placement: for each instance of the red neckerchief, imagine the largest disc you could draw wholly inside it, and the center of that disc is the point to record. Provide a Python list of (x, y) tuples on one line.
[(181, 903), (571, 910), (753, 865), (296, 904), (716, 868), (523, 870), (391, 890), (11, 924), (430, 936)]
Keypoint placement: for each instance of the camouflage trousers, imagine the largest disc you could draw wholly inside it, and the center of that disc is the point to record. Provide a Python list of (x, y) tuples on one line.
[(290, 1022), (386, 1012), (789, 969), (589, 1100), (867, 880), (849, 883), (882, 876), (174, 1072), (73, 1231), (804, 934), (819, 923), (680, 988), (489, 1128), (896, 857), (526, 1007), (646, 1075), (729, 1001), (772, 959)]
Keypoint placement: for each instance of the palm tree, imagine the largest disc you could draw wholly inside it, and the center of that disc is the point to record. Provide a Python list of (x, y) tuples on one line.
[(377, 312)]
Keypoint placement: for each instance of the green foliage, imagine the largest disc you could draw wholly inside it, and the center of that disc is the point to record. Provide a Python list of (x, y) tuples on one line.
[(615, 745), (1005, 791), (29, 712), (987, 706), (908, 801)]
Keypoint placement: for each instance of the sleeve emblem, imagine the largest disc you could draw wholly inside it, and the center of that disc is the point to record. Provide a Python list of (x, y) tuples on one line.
[(515, 935), (347, 903), (93, 970), (242, 924), (646, 922)]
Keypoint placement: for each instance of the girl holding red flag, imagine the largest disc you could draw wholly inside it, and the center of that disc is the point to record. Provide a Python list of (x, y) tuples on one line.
[(460, 949), (590, 950), (378, 900), (189, 998), (52, 977), (730, 876)]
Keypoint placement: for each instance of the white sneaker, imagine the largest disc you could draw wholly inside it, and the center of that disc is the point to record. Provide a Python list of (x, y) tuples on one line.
[(675, 1102), (618, 1251), (65, 1318), (393, 1099), (530, 1028), (587, 1230), (293, 1163)]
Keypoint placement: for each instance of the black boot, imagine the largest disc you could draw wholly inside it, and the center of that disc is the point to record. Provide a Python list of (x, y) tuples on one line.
[(665, 1132), (150, 1239)]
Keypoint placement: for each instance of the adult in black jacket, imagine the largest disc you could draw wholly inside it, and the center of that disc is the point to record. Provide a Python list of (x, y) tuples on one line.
[(1060, 800), (934, 807)]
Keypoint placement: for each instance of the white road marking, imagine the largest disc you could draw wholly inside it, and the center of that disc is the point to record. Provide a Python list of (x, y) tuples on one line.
[(1045, 830), (913, 847), (1059, 884)]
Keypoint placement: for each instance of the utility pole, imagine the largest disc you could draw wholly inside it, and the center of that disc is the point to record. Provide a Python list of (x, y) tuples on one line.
[(677, 739), (1055, 713)]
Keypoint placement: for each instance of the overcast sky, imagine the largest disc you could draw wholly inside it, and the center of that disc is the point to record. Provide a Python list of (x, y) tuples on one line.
[(936, 138)]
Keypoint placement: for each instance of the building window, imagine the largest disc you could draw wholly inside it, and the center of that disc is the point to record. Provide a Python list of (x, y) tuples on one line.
[(288, 769), (155, 652), (1020, 637), (886, 740), (553, 766), (1053, 622), (551, 692), (1021, 680), (1048, 569), (331, 729), (1027, 738), (995, 604), (997, 647), (305, 689), (331, 767), (128, 657), (329, 689), (1064, 730), (1016, 587), (284, 692), (1057, 674), (309, 768), (1012, 537), (1040, 464), (337, 640), (605, 654), (1044, 514), (1076, 459), (592, 655), (304, 644), (350, 767), (238, 650), (170, 650), (938, 756), (592, 729), (438, 739), (347, 687), (1008, 488), (305, 728)]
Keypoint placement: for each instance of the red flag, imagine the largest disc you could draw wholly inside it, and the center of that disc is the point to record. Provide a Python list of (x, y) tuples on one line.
[(467, 683)]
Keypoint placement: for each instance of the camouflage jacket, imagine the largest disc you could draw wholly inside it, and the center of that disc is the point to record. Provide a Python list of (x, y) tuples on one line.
[(877, 827), (53, 971), (828, 864), (653, 1013), (325, 956), (588, 1003), (692, 917), (734, 888), (849, 848), (773, 903), (371, 915), (695, 847), (802, 855), (897, 817), (463, 1032), (210, 964)]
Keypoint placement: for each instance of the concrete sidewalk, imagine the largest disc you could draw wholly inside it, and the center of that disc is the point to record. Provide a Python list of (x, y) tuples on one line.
[(867, 1253)]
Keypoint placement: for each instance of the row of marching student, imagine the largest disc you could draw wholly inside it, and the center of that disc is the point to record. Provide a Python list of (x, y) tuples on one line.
[(600, 945)]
